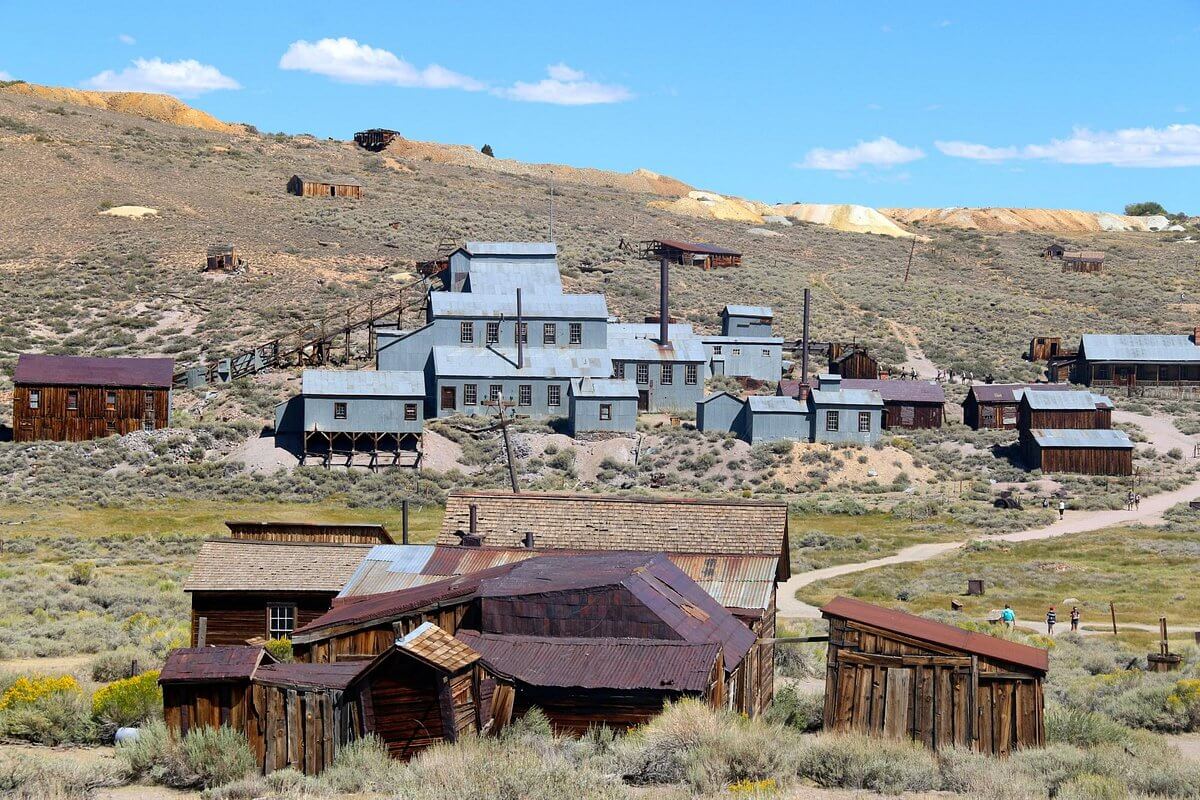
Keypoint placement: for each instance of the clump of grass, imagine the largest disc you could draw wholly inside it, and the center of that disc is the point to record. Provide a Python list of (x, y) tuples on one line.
[(205, 757)]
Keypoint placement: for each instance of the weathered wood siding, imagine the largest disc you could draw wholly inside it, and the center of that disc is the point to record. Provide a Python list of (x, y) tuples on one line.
[(1063, 419), (1078, 460), (93, 417), (305, 188), (902, 414), (989, 416), (357, 645), (856, 365), (234, 617), (287, 532)]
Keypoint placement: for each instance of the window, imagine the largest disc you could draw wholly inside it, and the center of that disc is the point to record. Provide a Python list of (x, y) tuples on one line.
[(339, 410), (717, 349), (148, 400), (470, 394), (110, 401), (831, 420), (619, 369), (148, 423), (766, 353), (523, 329), (35, 398), (643, 373), (606, 411), (466, 332), (667, 376), (493, 333), (410, 412), (554, 395), (737, 351), (494, 392), (72, 401), (281, 620), (525, 395), (864, 422), (689, 374), (576, 333), (549, 333)]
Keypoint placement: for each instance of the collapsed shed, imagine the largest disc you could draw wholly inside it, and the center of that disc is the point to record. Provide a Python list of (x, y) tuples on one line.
[(705, 256), (1082, 261), (899, 676)]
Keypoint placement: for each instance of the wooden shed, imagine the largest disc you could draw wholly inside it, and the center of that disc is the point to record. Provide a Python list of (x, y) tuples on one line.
[(1080, 451), (1043, 348), (320, 532), (1063, 410), (207, 687), (852, 361), (705, 256), (324, 187), (993, 406), (73, 399), (1082, 261), (1054, 250), (222, 258), (896, 675)]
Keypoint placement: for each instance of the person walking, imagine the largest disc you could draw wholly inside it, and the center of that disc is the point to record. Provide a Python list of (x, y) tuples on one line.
[(1062, 508), (1051, 618), (1074, 619), (1008, 617), (1137, 501)]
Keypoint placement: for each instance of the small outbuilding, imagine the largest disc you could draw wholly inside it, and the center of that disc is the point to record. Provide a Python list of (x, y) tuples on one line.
[(1084, 452), (222, 258), (853, 361), (324, 187), (993, 406), (771, 418), (895, 675), (1063, 410), (1043, 348), (722, 412), (602, 404), (1054, 250), (705, 256), (1082, 261), (845, 416)]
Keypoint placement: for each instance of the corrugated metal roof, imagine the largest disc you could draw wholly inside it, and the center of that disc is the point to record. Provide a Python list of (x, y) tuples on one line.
[(716, 395), (1139, 347), (337, 675), (211, 664), (846, 397), (532, 278), (1063, 401), (746, 340), (363, 383), (937, 633), (434, 646), (899, 390), (1098, 438), (774, 404), (67, 370), (681, 349), (733, 581), (501, 362), (647, 330), (539, 306), (248, 565), (698, 247), (604, 387), (510, 248), (577, 663), (748, 311), (1007, 392)]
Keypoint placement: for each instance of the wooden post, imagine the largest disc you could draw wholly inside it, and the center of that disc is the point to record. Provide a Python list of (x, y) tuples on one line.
[(911, 250), (1112, 609), (201, 631)]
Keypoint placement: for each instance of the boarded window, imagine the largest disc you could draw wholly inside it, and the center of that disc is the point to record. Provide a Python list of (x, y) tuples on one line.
[(576, 333), (549, 333), (689, 374), (553, 395), (410, 412), (339, 410), (470, 394), (831, 420), (643, 373), (864, 422), (448, 399), (1010, 416), (493, 333), (667, 375), (466, 333), (72, 401), (525, 394), (619, 369), (606, 411), (908, 415), (281, 620), (35, 398), (110, 401)]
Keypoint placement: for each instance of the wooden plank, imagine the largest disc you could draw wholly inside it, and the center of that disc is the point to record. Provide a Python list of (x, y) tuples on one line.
[(944, 709), (312, 747), (1002, 717), (847, 685), (878, 678), (294, 730), (861, 720), (327, 730), (897, 693), (924, 724)]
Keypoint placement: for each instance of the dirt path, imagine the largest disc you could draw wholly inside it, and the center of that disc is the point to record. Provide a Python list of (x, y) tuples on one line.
[(1163, 436), (914, 357)]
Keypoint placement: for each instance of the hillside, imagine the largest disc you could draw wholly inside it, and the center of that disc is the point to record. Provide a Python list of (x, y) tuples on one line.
[(160, 107), (1026, 219)]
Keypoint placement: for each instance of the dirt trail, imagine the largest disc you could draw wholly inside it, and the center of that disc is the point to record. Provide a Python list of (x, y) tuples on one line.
[(1163, 435), (914, 357)]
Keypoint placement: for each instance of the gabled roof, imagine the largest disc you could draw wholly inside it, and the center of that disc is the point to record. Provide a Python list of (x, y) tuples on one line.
[(452, 361), (34, 368), (775, 404), (247, 565), (537, 306), (636, 523), (1147, 347), (1083, 255), (722, 394), (362, 383), (432, 645), (578, 663), (337, 675), (604, 388), (213, 664), (1091, 438), (1009, 392), (937, 633), (510, 248), (697, 247), (747, 311), (893, 390), (845, 397), (1063, 401)]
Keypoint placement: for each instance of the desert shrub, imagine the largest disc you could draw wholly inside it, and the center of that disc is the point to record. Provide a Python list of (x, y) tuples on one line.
[(29, 689), (1093, 787), (52, 718), (796, 709), (81, 573), (977, 775), (361, 766), (127, 702), (860, 762), (114, 665), (1083, 728), (205, 757), (28, 776), (281, 649), (1156, 705)]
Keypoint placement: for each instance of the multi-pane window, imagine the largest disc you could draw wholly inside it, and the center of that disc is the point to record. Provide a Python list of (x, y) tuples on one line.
[(717, 349), (766, 353), (619, 369), (35, 398), (554, 395), (148, 400), (281, 620), (667, 375), (831, 420), (864, 422), (339, 410), (493, 333), (110, 401), (737, 351), (606, 411), (72, 401), (643, 373), (549, 333), (410, 412), (522, 329), (470, 394), (494, 392), (466, 332), (525, 395), (576, 333), (689, 374)]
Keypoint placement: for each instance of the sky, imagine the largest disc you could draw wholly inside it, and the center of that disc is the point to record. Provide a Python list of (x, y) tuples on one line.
[(1087, 105)]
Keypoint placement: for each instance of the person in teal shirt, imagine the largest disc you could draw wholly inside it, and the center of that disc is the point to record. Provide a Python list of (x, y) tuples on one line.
[(1008, 617)]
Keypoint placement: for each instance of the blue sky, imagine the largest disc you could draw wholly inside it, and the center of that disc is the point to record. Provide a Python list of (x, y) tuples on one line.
[(1073, 105)]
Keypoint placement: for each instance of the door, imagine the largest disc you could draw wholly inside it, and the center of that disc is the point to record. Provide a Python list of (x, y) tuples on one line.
[(449, 398), (643, 399)]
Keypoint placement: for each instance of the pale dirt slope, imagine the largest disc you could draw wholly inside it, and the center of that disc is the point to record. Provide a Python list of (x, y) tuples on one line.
[(159, 107)]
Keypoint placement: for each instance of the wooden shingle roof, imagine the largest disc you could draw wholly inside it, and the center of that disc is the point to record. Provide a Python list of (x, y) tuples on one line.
[(644, 524), (434, 646), (228, 565)]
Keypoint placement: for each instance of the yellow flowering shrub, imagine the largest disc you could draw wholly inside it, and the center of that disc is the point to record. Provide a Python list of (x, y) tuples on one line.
[(26, 690), (129, 701)]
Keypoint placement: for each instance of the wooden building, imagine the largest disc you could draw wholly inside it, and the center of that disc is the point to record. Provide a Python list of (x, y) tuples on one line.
[(375, 139), (70, 398), (852, 361), (1063, 410), (1043, 348), (906, 404), (242, 589), (705, 256), (899, 676), (222, 258), (1082, 261), (1054, 250), (993, 406), (313, 532), (1133, 360), (324, 187), (1079, 451)]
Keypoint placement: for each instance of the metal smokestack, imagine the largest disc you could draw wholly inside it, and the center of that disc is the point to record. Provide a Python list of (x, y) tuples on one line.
[(404, 521), (473, 529), (520, 338), (664, 299), (804, 343)]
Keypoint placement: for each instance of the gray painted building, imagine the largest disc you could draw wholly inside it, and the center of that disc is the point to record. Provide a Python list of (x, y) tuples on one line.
[(668, 378), (344, 401), (464, 378), (503, 262), (602, 404), (772, 418), (723, 413), (845, 416), (746, 321), (760, 358)]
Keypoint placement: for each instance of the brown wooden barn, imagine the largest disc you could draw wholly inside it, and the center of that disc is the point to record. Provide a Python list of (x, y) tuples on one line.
[(1082, 261), (900, 676), (906, 404), (324, 187), (322, 532), (852, 361), (222, 258), (993, 406), (244, 590), (705, 256), (73, 399), (1082, 451)]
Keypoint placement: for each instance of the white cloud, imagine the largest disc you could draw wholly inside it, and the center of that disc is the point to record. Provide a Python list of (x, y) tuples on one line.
[(125, 38), (882, 152), (4, 76), (347, 60), (188, 77), (1172, 146), (565, 87)]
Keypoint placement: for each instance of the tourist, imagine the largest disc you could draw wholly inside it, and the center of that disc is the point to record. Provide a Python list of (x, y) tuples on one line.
[(1074, 618), (1051, 618), (1008, 617)]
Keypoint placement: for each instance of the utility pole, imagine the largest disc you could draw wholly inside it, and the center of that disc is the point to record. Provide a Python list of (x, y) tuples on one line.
[(502, 423), (551, 205), (804, 344), (911, 250)]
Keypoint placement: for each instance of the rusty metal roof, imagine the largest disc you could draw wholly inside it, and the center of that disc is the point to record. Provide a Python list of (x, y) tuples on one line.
[(697, 247), (338, 675), (577, 663), (434, 646), (213, 664), (926, 630), (33, 368)]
